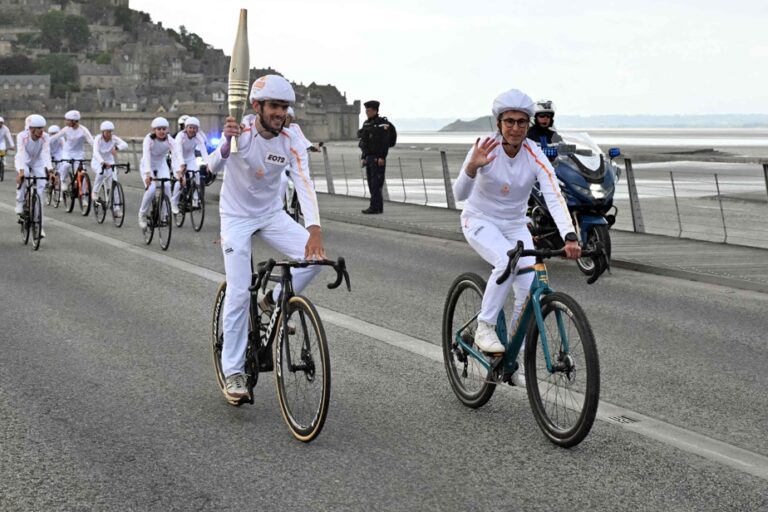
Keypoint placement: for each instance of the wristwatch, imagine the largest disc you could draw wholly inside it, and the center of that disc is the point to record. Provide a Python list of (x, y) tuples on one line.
[(571, 237)]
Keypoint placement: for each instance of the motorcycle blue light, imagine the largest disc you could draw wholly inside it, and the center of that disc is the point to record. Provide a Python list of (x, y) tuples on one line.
[(614, 152), (550, 152)]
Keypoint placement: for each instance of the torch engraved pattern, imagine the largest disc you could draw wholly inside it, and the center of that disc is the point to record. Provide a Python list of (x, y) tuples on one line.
[(239, 73)]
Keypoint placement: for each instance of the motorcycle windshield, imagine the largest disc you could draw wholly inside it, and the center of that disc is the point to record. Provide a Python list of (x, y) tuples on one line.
[(588, 153)]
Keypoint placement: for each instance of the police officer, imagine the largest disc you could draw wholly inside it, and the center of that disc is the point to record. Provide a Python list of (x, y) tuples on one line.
[(376, 137), (543, 128)]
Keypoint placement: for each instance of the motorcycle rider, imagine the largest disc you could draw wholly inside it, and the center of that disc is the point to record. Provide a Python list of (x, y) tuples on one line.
[(544, 123)]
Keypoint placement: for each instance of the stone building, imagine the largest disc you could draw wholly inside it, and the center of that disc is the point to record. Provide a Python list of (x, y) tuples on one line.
[(97, 76), (17, 87)]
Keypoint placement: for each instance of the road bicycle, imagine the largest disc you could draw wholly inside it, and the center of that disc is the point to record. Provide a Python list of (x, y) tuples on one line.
[(291, 200), (110, 196), (78, 188), (192, 201), (31, 218), (159, 215), (2, 164), (291, 340), (52, 189), (562, 370)]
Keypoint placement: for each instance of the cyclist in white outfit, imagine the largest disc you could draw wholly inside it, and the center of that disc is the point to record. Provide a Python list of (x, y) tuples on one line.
[(33, 158), (5, 135), (188, 142), (155, 149), (75, 137), (495, 183), (250, 203), (105, 146)]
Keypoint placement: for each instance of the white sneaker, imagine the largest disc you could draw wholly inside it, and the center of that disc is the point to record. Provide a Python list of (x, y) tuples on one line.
[(118, 211), (235, 388), (142, 221), (42, 233), (175, 209), (486, 338), (19, 208)]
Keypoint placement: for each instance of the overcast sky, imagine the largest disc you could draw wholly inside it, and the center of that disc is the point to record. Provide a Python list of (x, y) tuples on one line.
[(449, 59)]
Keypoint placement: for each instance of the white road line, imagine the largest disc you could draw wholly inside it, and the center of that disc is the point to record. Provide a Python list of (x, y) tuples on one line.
[(686, 440)]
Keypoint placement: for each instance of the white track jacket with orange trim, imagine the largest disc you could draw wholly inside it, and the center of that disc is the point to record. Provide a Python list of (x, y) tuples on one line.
[(252, 183), (33, 154), (74, 141), (500, 190)]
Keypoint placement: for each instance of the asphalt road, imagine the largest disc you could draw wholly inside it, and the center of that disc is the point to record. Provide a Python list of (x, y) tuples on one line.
[(108, 399)]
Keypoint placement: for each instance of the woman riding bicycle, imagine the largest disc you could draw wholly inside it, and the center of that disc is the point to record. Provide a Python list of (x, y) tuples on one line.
[(250, 203), (495, 182), (155, 149), (33, 158), (188, 142), (104, 148), (75, 137)]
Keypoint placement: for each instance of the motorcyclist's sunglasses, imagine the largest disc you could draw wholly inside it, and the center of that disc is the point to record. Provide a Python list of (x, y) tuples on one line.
[(544, 114), (511, 122)]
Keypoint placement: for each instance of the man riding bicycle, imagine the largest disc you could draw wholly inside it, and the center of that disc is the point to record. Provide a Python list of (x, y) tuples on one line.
[(74, 137), (495, 182), (250, 203), (188, 142), (33, 158), (104, 148)]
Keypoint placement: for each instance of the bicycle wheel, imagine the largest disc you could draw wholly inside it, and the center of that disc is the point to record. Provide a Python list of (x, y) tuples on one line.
[(564, 401), (2, 170), (196, 205), (164, 223), (24, 223), (57, 192), (70, 193), (149, 231), (84, 195), (118, 204), (48, 192), (469, 379), (179, 217), (100, 204), (36, 219), (303, 370)]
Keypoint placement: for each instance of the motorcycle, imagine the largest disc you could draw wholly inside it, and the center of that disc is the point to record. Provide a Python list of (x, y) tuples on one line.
[(587, 181)]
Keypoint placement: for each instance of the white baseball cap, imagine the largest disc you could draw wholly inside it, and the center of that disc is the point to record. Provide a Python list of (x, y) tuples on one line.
[(54, 128), (192, 121)]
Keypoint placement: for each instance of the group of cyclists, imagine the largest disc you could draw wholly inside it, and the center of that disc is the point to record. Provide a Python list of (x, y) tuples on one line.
[(495, 182)]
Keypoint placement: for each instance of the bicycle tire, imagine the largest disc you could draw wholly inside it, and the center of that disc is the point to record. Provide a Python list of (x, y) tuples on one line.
[(25, 225), (462, 303), (36, 219), (118, 204), (70, 193), (48, 192), (100, 205), (566, 394), (149, 231), (196, 213), (2, 169), (56, 192), (305, 415), (164, 223), (84, 195), (181, 216)]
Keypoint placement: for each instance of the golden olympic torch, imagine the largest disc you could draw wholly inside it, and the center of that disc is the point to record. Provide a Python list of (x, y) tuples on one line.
[(239, 73)]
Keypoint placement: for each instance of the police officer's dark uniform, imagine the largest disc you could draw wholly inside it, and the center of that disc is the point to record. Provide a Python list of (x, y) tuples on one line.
[(376, 137), (536, 133)]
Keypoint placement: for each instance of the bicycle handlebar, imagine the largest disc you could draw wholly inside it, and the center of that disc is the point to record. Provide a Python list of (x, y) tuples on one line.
[(598, 256), (126, 166), (264, 270)]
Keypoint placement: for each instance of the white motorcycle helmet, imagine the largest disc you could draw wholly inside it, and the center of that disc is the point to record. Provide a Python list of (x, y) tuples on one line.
[(182, 121), (159, 122), (72, 115)]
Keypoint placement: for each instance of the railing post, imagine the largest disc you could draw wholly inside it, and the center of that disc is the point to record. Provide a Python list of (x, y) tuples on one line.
[(634, 199), (344, 170), (328, 173), (384, 188), (765, 173), (424, 182), (449, 199), (402, 179), (722, 213), (677, 208)]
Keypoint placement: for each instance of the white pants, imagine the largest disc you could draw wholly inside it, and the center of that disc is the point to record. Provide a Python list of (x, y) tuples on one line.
[(37, 171), (61, 170), (146, 201), (492, 240), (281, 233), (106, 177), (177, 188)]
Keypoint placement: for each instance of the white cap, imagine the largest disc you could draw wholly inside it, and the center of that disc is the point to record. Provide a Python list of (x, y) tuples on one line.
[(106, 125), (159, 122), (183, 120), (72, 115), (26, 121), (36, 121), (512, 100), (272, 87), (192, 120), (54, 128), (291, 112), (2, 120)]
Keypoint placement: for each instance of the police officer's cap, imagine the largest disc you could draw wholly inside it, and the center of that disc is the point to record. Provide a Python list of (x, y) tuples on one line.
[(372, 104)]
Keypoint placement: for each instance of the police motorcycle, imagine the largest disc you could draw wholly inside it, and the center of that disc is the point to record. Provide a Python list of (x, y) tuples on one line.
[(587, 181)]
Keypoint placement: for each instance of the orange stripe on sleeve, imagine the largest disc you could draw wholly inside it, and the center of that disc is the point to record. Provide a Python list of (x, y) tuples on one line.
[(551, 177)]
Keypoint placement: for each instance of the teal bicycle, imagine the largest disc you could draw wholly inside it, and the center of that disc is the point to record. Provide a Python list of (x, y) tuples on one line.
[(562, 370)]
